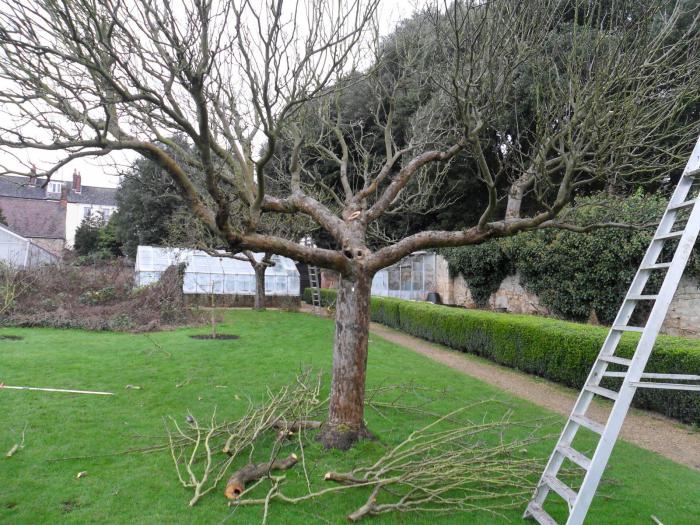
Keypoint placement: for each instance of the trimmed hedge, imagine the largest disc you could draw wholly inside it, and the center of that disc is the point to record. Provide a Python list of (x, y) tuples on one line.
[(560, 351), (327, 296)]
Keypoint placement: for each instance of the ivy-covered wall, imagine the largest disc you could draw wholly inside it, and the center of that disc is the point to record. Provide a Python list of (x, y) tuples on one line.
[(573, 274)]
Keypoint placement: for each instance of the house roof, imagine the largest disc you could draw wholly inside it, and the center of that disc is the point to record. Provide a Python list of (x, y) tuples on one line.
[(34, 218), (19, 187)]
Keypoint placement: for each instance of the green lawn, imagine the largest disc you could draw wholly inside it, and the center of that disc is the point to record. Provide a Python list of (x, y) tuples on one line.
[(273, 347)]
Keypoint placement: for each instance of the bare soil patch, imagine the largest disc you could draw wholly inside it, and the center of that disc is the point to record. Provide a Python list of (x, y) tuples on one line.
[(219, 337)]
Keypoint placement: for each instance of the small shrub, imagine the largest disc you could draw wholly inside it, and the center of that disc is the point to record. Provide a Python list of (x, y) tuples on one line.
[(103, 295)]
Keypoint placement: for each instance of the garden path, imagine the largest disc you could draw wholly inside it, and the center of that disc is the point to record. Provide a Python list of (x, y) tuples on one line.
[(665, 436)]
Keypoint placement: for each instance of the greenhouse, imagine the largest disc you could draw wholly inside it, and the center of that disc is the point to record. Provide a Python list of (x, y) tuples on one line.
[(206, 274), (413, 277), (16, 250)]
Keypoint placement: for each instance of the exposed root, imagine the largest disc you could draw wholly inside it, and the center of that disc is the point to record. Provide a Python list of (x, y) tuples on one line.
[(342, 437)]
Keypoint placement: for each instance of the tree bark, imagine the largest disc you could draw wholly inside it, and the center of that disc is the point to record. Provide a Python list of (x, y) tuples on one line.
[(516, 194), (259, 303), (346, 424)]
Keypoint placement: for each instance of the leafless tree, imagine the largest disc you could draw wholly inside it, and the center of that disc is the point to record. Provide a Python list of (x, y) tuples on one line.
[(90, 77)]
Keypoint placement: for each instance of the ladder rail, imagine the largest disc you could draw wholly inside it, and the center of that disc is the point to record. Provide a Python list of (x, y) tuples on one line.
[(635, 367)]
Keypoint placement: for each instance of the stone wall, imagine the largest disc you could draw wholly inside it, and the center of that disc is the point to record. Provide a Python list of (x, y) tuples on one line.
[(683, 316), (54, 246), (242, 301), (510, 297)]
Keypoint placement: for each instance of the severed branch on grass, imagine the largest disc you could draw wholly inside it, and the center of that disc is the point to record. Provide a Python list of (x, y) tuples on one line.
[(204, 453), (450, 465), (236, 484), (19, 445)]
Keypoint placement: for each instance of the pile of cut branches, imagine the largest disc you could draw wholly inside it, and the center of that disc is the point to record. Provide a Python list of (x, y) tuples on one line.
[(452, 464), (204, 452), (449, 465)]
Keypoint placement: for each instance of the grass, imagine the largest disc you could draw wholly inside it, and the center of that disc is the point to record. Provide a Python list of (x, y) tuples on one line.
[(140, 488)]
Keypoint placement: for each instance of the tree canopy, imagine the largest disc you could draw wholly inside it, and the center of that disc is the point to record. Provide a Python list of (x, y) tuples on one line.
[(541, 101)]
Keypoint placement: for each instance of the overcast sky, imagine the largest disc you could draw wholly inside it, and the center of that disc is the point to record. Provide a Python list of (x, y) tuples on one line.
[(104, 171)]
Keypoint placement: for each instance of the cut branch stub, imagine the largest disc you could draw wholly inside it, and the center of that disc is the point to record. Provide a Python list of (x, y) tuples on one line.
[(253, 472), (289, 428)]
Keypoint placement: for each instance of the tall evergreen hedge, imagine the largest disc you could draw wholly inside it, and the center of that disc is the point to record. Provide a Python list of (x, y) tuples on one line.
[(573, 274), (560, 351)]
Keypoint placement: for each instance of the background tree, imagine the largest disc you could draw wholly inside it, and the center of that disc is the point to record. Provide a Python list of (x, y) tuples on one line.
[(147, 201), (90, 78), (97, 238), (87, 236)]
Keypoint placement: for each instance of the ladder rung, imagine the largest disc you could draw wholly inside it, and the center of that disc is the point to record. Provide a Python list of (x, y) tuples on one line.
[(681, 205), (692, 173), (666, 386), (535, 510), (615, 374), (588, 423), (575, 456), (657, 266), (604, 392), (615, 360), (672, 235), (621, 328), (634, 297), (561, 488)]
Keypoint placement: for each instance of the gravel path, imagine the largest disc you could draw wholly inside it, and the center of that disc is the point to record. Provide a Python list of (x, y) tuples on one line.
[(648, 430)]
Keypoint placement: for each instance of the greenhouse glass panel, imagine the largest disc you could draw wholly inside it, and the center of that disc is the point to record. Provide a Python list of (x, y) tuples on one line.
[(206, 274)]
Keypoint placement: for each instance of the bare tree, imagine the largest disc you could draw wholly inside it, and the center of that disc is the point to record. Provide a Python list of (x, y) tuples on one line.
[(90, 77)]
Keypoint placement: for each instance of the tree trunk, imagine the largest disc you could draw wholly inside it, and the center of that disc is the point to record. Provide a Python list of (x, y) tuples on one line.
[(516, 194), (259, 286), (346, 423)]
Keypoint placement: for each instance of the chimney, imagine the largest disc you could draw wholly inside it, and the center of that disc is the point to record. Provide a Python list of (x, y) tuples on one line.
[(64, 197), (77, 181), (32, 176)]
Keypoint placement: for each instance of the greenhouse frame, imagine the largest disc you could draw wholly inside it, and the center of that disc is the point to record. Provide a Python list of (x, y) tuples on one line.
[(16, 250), (413, 277), (207, 274)]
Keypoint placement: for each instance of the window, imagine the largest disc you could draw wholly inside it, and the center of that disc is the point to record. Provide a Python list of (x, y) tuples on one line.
[(86, 212), (54, 187)]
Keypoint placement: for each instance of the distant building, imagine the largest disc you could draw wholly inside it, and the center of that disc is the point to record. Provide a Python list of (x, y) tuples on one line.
[(49, 216)]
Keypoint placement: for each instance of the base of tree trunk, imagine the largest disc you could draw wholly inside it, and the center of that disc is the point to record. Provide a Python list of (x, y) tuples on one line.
[(342, 437)]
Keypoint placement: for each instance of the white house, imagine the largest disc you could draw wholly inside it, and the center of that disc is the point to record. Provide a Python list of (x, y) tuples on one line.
[(49, 214), (84, 202)]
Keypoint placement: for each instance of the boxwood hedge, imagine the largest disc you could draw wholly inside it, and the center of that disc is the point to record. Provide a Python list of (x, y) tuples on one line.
[(560, 351)]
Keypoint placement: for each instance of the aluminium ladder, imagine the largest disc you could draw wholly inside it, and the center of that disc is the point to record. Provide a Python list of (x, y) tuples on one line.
[(632, 378), (314, 281), (315, 285)]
